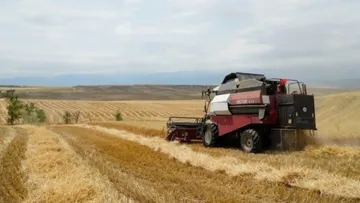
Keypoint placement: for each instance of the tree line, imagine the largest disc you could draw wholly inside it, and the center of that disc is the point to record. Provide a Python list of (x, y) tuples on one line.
[(20, 112)]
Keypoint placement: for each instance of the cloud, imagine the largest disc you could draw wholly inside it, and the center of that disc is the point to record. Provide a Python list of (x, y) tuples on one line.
[(133, 1), (173, 35), (295, 34), (128, 29), (124, 29)]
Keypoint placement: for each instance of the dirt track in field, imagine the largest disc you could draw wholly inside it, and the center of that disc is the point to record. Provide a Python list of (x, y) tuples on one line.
[(38, 166), (159, 172), (69, 179), (315, 179), (77, 163), (344, 161), (86, 163), (12, 152)]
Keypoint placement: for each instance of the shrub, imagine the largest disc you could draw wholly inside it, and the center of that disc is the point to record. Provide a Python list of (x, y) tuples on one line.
[(30, 108), (118, 116), (9, 94), (29, 113), (41, 116), (14, 109), (67, 117), (32, 114), (76, 116)]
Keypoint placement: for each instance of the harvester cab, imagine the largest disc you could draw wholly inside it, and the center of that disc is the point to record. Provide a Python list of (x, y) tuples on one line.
[(260, 112)]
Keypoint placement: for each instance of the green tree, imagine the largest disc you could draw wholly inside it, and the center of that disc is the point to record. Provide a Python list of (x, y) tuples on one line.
[(30, 108), (67, 117), (14, 109), (32, 114), (118, 116), (41, 116), (29, 113)]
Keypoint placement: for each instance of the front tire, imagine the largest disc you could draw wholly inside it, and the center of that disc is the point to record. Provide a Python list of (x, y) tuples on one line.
[(251, 141), (211, 135)]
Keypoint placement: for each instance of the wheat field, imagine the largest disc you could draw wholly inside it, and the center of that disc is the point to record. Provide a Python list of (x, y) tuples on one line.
[(103, 160), (104, 111)]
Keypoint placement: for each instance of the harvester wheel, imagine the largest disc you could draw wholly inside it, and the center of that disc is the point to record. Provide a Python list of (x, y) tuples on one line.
[(211, 135), (251, 141)]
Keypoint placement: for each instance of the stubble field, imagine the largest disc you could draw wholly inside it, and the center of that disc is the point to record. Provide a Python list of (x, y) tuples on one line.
[(101, 160)]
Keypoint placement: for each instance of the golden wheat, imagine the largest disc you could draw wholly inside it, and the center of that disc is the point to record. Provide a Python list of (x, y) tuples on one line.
[(176, 178), (56, 174), (336, 115), (122, 181), (105, 111), (6, 136), (310, 178), (102, 161), (3, 111), (12, 188)]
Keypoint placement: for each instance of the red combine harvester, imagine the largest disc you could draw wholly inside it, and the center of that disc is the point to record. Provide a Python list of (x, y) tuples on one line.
[(259, 112)]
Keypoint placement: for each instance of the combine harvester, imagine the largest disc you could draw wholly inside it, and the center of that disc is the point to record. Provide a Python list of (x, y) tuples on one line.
[(259, 112)]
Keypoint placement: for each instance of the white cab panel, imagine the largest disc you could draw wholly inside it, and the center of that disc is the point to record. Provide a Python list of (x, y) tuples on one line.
[(219, 105), (266, 99)]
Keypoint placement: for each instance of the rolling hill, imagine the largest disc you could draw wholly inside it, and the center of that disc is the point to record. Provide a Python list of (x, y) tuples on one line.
[(103, 160), (337, 111)]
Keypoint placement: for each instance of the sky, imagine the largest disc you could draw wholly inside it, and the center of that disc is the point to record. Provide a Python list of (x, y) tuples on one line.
[(46, 38)]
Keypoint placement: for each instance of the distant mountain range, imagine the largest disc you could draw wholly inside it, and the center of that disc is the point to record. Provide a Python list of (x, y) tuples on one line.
[(351, 83), (337, 79)]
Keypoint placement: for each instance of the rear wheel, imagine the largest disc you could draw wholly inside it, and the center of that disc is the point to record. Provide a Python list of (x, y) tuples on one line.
[(251, 141), (211, 135)]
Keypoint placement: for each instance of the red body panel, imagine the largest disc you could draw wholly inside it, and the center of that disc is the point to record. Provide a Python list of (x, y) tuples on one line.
[(227, 124), (273, 117), (253, 97)]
